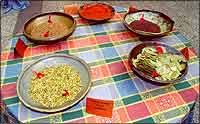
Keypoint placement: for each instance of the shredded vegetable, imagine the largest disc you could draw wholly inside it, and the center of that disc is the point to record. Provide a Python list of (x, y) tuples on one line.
[(158, 64)]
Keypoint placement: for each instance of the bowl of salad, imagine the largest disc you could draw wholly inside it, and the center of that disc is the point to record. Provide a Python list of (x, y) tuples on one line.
[(157, 62)]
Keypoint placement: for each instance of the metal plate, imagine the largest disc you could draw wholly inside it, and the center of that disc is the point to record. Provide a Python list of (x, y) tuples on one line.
[(23, 81), (137, 49), (163, 21), (62, 26)]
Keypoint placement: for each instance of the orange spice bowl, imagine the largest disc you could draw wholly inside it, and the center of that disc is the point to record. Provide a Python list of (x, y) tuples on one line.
[(96, 12)]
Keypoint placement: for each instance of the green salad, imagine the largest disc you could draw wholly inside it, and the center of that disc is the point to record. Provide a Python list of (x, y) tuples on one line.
[(155, 62)]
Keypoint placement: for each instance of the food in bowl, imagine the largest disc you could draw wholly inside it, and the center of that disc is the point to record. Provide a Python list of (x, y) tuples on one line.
[(46, 30), (51, 27), (96, 11), (148, 22), (158, 64), (59, 84)]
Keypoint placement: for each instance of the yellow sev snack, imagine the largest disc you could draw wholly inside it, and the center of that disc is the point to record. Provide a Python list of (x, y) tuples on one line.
[(60, 84)]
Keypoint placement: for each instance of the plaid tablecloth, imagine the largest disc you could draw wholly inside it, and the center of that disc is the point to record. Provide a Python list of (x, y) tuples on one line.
[(105, 48)]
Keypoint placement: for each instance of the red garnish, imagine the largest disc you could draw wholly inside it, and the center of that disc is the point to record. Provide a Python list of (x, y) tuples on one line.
[(142, 18), (46, 34), (49, 19), (159, 50), (154, 74), (38, 74), (66, 93)]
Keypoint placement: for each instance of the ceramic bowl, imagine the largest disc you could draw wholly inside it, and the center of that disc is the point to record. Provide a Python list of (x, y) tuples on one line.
[(161, 20), (62, 25), (138, 48), (93, 19)]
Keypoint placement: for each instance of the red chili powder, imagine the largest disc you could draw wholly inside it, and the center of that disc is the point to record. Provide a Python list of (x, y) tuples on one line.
[(96, 11), (144, 25)]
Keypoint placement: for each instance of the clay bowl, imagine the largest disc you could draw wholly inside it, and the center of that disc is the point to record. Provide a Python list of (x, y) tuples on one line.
[(137, 49), (60, 27), (99, 20), (163, 22)]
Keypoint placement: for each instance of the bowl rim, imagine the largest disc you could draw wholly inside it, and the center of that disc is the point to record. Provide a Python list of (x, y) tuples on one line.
[(147, 78), (51, 39), (149, 33), (97, 20), (58, 109)]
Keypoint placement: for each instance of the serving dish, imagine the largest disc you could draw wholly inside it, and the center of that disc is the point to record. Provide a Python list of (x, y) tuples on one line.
[(23, 82), (96, 9), (49, 27), (148, 22), (138, 49)]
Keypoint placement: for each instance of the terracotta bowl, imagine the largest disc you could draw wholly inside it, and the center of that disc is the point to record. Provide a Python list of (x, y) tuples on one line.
[(161, 20), (94, 19), (137, 49)]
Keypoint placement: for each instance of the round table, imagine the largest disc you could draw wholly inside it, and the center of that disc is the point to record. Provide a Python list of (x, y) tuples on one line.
[(105, 47)]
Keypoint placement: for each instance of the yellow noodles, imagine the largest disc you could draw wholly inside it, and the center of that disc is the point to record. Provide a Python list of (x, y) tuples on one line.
[(49, 89)]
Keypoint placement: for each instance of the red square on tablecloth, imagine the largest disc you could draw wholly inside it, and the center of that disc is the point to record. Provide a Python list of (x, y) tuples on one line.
[(164, 102), (152, 106), (91, 119), (102, 39), (177, 98), (100, 72), (117, 68), (188, 95), (137, 111), (123, 115)]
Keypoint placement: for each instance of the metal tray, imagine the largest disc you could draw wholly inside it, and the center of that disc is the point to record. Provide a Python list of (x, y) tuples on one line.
[(25, 77)]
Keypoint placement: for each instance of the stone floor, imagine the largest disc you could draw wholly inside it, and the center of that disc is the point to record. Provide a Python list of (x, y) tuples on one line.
[(184, 13)]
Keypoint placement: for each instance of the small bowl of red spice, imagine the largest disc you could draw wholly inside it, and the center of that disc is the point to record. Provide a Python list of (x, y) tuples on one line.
[(148, 22), (157, 62), (96, 12)]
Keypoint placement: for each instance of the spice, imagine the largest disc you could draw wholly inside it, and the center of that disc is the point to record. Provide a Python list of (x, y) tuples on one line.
[(144, 25), (96, 11), (46, 30)]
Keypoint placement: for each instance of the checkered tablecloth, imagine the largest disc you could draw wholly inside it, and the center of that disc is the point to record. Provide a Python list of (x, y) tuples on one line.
[(105, 47)]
